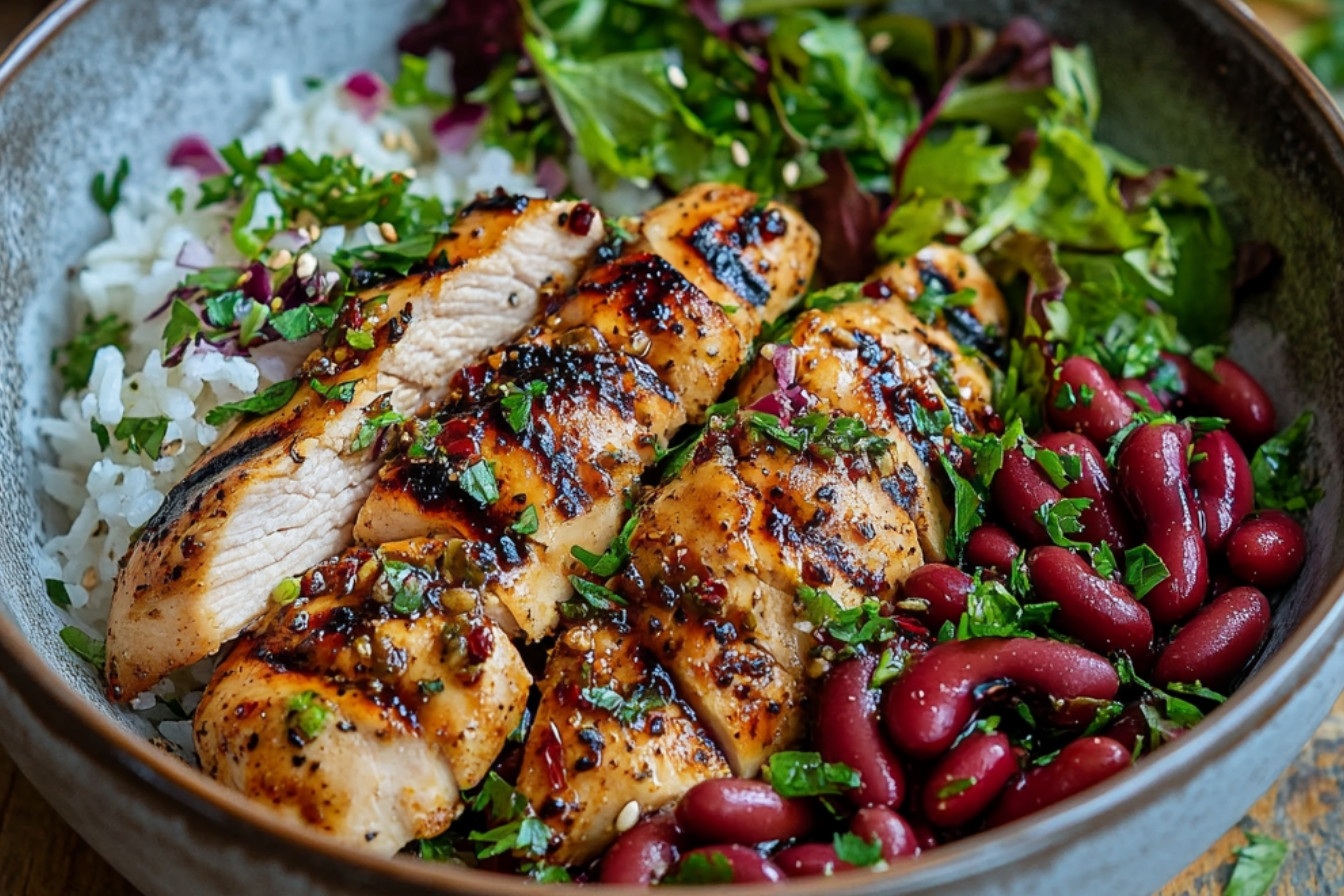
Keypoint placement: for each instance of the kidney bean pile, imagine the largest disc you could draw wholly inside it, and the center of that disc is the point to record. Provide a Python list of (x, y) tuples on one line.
[(1109, 594)]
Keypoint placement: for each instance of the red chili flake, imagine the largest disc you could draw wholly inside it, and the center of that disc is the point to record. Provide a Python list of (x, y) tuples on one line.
[(553, 755), (581, 219), (480, 644)]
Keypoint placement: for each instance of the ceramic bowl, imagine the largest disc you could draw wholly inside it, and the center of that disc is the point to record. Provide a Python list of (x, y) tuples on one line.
[(1191, 81)]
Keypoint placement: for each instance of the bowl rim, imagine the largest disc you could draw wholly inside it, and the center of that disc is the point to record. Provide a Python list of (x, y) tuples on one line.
[(118, 751)]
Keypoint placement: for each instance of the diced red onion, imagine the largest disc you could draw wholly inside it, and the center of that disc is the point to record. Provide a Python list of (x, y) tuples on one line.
[(783, 403), (551, 176), (258, 286), (194, 255), (456, 129), (195, 152), (367, 93), (785, 360)]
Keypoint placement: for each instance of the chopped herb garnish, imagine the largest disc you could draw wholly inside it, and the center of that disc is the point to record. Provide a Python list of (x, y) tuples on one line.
[(967, 509), (286, 592), (604, 565), (296, 323), (377, 417), (57, 593), (499, 798), (952, 788), (517, 404), (74, 360), (106, 191), (142, 435), (627, 710), (1258, 863), (993, 612), (797, 773), (700, 868), (270, 399), (361, 340), (1060, 520), (430, 686), (342, 392), (595, 596), (478, 481), (890, 666), (527, 836), (527, 522), (851, 848), (1144, 570), (85, 646), (1279, 469)]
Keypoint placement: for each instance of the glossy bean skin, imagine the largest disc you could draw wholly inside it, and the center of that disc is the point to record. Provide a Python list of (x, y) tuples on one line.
[(644, 853), (1267, 549), (1147, 401), (747, 864), (728, 810), (1218, 642), (991, 547), (1105, 519), (1079, 765), (1223, 486), (1107, 411), (1232, 393), (851, 733), (810, 860), (927, 707), (1100, 613), (984, 760), (1155, 483), (1019, 489), (897, 836), (943, 588)]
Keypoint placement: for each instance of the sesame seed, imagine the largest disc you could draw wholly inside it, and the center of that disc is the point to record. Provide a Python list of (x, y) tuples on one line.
[(741, 110), (279, 259), (305, 266), (741, 157), (676, 77), (791, 172), (879, 42), (388, 231), (628, 817)]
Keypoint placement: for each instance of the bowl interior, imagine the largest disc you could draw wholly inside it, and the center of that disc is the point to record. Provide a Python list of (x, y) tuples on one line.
[(1181, 83)]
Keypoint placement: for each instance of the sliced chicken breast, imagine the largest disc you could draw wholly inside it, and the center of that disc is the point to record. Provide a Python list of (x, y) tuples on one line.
[(281, 491), (609, 731), (367, 704)]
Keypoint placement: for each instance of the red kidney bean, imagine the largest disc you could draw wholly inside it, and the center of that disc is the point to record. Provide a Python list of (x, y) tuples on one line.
[(810, 860), (967, 779), (1105, 518), (1130, 727), (1148, 400), (644, 853), (1100, 408), (991, 547), (943, 588), (736, 810), (1229, 392), (1098, 612), (897, 836), (1221, 478), (927, 707), (1078, 766), (1267, 549), (849, 732), (1019, 489), (926, 836), (1155, 483), (1218, 642), (747, 864)]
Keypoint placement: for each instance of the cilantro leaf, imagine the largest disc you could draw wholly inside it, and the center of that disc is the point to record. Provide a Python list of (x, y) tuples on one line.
[(1144, 570), (106, 191), (967, 509), (861, 853), (74, 360), (528, 836), (85, 646), (1258, 863), (1278, 468), (797, 773), (1060, 519), (270, 399)]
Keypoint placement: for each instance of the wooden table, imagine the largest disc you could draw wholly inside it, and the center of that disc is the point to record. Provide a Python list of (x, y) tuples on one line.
[(41, 856)]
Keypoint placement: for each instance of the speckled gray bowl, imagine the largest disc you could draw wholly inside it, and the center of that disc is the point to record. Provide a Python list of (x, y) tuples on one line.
[(1193, 81)]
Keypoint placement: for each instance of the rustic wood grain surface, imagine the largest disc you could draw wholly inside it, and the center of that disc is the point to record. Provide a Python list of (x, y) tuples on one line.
[(41, 856)]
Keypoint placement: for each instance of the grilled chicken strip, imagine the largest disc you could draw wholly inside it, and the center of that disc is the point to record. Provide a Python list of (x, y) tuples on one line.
[(571, 441), (609, 730), (367, 704), (728, 561), (281, 491), (875, 360)]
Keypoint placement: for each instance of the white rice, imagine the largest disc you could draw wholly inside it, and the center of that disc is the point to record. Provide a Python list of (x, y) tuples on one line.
[(110, 493)]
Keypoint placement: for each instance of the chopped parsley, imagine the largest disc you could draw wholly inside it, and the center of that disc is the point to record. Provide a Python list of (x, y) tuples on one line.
[(590, 597), (85, 646), (823, 434), (627, 710), (74, 360), (105, 190), (604, 565), (1060, 520), (1258, 863), (406, 584), (270, 399), (1279, 469), (342, 392), (954, 787), (377, 417), (993, 612), (700, 868), (1144, 570), (527, 522), (527, 836), (517, 404), (478, 481), (797, 773), (851, 848)]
